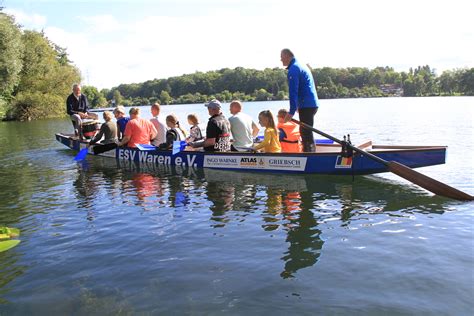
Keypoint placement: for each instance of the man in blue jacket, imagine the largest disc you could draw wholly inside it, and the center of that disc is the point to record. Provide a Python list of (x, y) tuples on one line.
[(303, 96)]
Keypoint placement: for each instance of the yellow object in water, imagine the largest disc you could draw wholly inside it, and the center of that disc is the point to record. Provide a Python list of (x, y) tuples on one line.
[(7, 233)]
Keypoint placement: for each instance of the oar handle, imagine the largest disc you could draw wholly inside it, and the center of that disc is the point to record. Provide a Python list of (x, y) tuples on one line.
[(360, 151)]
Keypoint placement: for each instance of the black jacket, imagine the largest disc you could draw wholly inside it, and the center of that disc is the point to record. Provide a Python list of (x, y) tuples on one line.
[(74, 105)]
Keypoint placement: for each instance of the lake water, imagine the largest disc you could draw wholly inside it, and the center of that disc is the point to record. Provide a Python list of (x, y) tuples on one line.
[(107, 238)]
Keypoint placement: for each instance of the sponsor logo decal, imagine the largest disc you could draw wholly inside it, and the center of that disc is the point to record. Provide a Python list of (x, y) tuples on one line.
[(253, 162), (248, 162), (221, 161)]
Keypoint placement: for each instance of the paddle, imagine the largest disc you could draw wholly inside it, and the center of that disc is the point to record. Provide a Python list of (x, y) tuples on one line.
[(178, 146), (81, 155), (403, 171), (145, 147)]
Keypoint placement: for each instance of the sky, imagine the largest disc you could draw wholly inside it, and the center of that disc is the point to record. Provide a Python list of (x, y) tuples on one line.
[(123, 41)]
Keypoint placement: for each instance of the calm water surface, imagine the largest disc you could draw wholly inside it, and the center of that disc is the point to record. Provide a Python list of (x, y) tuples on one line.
[(103, 237)]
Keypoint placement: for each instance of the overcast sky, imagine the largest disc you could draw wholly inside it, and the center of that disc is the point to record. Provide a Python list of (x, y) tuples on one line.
[(114, 42)]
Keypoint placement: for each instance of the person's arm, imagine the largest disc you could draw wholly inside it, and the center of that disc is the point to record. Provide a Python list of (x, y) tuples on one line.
[(265, 142), (207, 142), (170, 138), (211, 135), (124, 141), (118, 134), (83, 114), (293, 84), (69, 106), (255, 129), (281, 134), (99, 134), (153, 132), (127, 135)]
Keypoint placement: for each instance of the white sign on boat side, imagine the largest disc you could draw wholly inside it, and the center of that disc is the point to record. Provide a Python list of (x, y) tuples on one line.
[(253, 162)]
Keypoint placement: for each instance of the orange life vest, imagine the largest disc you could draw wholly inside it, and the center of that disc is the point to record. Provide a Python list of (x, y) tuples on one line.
[(290, 139)]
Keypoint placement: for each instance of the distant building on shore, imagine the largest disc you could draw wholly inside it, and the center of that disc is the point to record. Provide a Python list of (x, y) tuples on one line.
[(392, 89)]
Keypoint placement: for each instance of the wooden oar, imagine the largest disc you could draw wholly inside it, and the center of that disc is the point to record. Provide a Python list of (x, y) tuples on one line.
[(403, 171)]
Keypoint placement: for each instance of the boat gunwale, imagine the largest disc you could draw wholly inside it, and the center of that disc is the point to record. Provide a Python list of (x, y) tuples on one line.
[(376, 149)]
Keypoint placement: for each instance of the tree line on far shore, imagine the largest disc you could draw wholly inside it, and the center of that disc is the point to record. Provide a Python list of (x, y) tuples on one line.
[(36, 77), (271, 84)]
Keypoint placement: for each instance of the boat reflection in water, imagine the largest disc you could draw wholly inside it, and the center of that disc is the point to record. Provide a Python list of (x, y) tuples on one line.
[(292, 205)]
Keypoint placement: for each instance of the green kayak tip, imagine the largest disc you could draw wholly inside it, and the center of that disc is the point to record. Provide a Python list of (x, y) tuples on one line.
[(5, 234)]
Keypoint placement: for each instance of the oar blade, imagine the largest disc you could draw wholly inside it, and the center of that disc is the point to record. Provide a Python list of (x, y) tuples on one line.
[(428, 183), (178, 146), (81, 155)]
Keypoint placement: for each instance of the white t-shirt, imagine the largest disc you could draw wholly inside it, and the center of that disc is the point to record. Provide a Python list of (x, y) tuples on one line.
[(161, 129), (241, 128)]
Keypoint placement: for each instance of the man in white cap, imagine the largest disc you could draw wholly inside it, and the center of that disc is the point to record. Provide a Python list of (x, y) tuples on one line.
[(217, 131)]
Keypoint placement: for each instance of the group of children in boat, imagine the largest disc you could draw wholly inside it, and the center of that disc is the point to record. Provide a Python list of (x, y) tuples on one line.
[(131, 130), (279, 136)]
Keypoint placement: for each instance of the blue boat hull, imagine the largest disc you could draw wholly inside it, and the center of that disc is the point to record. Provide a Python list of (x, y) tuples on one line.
[(330, 162)]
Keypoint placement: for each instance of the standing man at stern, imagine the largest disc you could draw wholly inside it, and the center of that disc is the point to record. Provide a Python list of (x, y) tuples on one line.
[(303, 96)]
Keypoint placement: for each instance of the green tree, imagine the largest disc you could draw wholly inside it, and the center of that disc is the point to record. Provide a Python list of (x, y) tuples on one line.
[(165, 97), (447, 83), (45, 81), (466, 81), (96, 99), (224, 96), (11, 49), (117, 97), (409, 89), (105, 92), (262, 95), (251, 84), (281, 95)]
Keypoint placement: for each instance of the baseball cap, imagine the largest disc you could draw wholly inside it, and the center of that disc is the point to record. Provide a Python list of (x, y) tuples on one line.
[(213, 104), (119, 109)]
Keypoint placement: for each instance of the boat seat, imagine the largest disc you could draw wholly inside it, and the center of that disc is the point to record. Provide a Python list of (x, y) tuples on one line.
[(365, 145)]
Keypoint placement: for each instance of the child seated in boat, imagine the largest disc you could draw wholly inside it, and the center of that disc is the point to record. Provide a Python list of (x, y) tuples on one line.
[(195, 131), (270, 143), (174, 132), (108, 130), (289, 134), (122, 121), (159, 124)]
